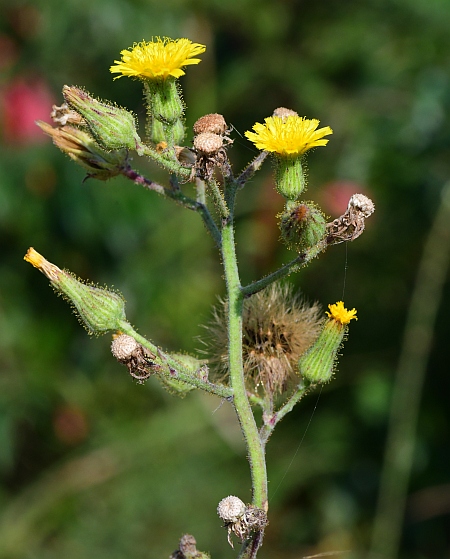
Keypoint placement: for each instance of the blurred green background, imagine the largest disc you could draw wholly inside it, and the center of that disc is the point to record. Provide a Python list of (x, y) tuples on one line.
[(93, 465)]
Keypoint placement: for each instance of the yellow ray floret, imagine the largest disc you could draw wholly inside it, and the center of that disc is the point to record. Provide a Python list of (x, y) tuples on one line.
[(340, 314), (288, 136), (157, 59)]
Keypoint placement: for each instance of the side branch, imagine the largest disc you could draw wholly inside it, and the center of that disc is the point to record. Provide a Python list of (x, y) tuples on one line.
[(171, 368), (251, 169)]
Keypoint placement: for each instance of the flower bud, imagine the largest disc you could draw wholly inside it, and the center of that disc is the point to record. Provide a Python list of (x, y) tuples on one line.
[(112, 127), (317, 364), (81, 147), (98, 309), (165, 109), (290, 177), (302, 226)]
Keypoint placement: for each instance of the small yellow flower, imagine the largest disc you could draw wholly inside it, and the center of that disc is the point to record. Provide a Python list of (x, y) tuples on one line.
[(157, 59), (340, 314), (288, 136)]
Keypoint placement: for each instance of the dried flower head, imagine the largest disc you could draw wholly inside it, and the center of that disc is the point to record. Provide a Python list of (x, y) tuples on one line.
[(282, 112), (240, 519), (350, 225), (214, 123), (230, 509), (278, 327), (208, 143), (157, 59)]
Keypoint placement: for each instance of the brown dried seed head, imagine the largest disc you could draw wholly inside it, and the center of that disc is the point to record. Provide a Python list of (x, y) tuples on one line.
[(282, 112), (230, 509), (214, 123), (123, 347), (208, 143)]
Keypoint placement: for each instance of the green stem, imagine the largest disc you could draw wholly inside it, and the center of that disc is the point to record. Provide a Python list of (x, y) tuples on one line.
[(171, 367), (293, 266), (271, 422), (218, 198), (241, 403)]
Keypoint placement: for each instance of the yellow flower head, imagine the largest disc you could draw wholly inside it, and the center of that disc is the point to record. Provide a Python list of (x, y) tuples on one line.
[(340, 314), (288, 136), (157, 59)]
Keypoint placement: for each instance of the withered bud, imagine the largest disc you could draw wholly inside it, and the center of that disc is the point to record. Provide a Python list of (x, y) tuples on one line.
[(363, 204), (214, 123), (282, 112), (350, 225), (239, 519), (137, 359), (84, 150), (188, 549), (63, 115), (188, 545), (230, 509), (208, 143), (123, 347)]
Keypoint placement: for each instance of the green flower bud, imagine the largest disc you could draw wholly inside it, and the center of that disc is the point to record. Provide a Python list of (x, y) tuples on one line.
[(112, 127), (302, 226), (317, 364), (290, 177), (165, 109), (99, 310)]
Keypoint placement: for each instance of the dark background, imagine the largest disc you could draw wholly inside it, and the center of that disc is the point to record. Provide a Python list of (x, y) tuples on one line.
[(93, 465)]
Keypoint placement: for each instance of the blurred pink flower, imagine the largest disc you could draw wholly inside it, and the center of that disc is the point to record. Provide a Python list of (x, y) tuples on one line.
[(22, 102), (336, 194)]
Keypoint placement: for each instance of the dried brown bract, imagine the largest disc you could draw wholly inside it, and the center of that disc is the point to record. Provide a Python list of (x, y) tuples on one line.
[(351, 224)]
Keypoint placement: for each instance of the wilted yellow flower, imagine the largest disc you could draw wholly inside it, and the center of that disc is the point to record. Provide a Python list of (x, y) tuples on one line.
[(340, 313), (157, 59), (288, 136)]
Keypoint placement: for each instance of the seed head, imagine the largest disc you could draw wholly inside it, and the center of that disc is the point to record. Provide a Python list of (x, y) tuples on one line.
[(278, 327)]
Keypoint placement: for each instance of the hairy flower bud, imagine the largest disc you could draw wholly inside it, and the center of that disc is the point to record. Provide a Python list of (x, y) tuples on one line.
[(99, 310), (317, 364), (302, 226), (112, 127), (165, 110)]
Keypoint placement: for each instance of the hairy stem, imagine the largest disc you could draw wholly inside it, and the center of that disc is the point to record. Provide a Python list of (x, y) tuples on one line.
[(241, 403)]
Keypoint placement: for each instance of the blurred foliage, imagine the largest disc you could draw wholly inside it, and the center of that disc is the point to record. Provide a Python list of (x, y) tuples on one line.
[(94, 465)]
